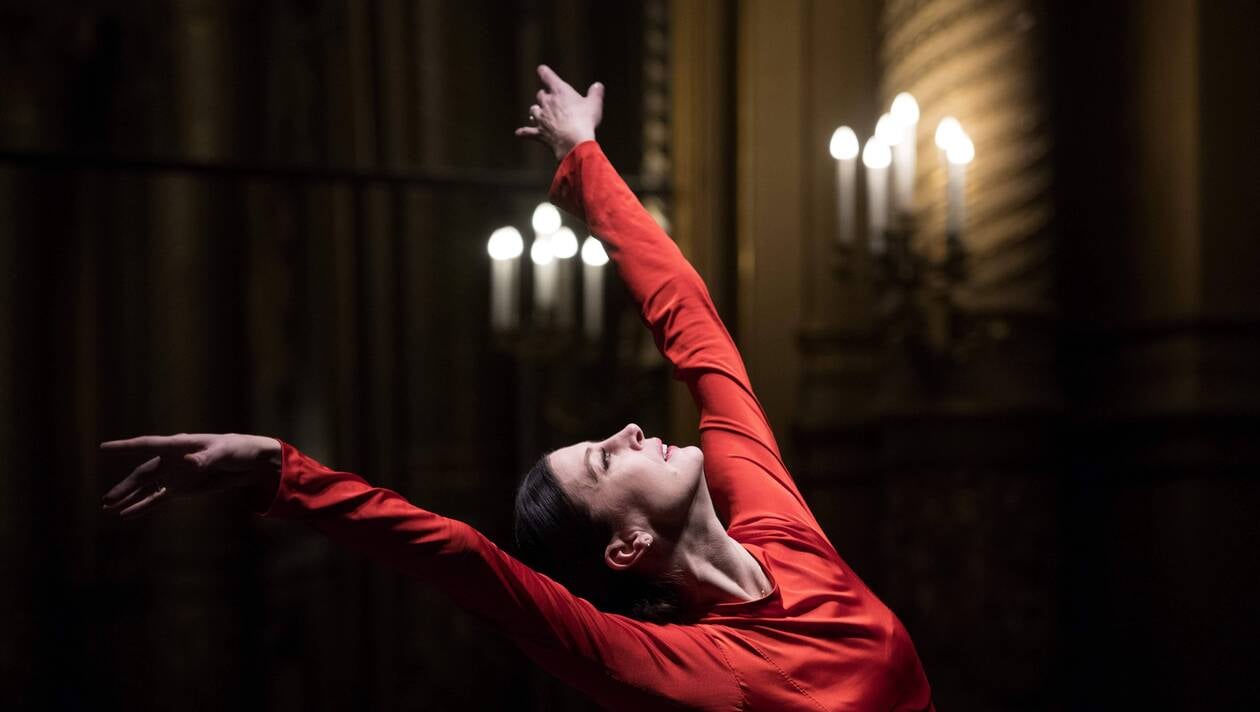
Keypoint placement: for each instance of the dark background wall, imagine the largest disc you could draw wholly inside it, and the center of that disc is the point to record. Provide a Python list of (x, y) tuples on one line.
[(271, 218)]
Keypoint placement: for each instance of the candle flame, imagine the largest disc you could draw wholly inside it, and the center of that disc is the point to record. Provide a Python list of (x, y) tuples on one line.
[(947, 132), (546, 219), (844, 144), (876, 154), (593, 252), (564, 243), (905, 109), (962, 151), (889, 130), (505, 244), (540, 252)]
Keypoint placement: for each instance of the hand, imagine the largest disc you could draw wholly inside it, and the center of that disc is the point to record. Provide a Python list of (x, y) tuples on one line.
[(563, 118), (186, 464)]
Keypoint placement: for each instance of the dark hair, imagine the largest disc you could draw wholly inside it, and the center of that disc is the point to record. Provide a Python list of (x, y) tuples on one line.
[(560, 538)]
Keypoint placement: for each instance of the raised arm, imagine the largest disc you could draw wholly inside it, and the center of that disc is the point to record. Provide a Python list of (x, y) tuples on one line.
[(612, 658), (743, 466)]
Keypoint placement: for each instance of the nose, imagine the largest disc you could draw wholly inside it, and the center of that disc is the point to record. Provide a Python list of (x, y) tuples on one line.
[(632, 434)]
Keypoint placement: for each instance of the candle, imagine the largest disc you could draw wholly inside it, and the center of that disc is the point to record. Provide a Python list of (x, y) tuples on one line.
[(947, 132), (564, 245), (545, 221), (876, 157), (593, 260), (844, 148), (544, 259), (960, 152), (505, 247), (892, 134), (905, 111)]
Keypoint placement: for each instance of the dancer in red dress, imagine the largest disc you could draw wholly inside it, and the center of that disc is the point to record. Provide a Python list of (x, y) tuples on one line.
[(759, 614)]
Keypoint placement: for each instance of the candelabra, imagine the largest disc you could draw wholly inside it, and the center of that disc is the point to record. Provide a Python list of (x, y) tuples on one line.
[(917, 308), (915, 295)]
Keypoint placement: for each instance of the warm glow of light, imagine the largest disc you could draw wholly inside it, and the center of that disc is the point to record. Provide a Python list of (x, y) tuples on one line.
[(564, 243), (889, 130), (593, 252), (505, 243), (844, 144), (546, 219), (947, 132), (905, 109), (540, 252), (962, 151), (876, 154)]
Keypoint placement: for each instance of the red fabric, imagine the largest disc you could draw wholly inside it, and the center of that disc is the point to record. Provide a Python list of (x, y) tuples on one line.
[(820, 640)]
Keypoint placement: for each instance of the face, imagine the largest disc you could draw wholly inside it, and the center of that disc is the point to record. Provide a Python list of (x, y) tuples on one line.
[(630, 480)]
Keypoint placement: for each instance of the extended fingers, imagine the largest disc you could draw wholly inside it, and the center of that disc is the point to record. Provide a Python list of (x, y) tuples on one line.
[(551, 80), (149, 502), (126, 490), (153, 442), (529, 132)]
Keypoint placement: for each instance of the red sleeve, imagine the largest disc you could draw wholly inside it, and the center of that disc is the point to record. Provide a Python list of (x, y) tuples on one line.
[(742, 465), (610, 657)]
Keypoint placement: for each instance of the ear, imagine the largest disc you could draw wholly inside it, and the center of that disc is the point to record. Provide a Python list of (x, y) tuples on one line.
[(623, 552)]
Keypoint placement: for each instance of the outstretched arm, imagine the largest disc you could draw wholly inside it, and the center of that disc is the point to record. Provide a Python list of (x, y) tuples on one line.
[(616, 660), (743, 466)]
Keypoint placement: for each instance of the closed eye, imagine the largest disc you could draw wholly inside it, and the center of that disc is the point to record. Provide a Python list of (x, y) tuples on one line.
[(604, 458)]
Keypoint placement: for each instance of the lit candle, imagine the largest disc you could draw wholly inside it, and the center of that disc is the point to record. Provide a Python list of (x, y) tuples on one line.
[(593, 260), (905, 111), (947, 132), (544, 259), (564, 246), (960, 152), (891, 134), (876, 156), (505, 247), (844, 148), (545, 221)]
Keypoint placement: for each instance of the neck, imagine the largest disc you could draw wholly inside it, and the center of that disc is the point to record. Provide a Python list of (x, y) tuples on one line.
[(715, 567)]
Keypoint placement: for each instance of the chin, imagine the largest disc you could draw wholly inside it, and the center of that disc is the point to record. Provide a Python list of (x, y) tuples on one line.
[(684, 458), (693, 465)]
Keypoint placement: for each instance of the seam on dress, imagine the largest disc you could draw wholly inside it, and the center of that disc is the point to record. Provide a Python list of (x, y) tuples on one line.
[(739, 682), (785, 675)]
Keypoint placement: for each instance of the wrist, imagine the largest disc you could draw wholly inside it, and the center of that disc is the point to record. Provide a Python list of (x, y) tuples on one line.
[(563, 148), (266, 479)]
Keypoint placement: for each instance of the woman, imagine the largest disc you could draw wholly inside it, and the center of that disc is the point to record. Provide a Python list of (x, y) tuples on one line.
[(759, 614)]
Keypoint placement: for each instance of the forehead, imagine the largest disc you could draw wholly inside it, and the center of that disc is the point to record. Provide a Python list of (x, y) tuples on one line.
[(569, 465)]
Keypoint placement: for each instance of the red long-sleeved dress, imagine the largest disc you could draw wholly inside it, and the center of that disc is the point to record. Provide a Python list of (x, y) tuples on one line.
[(820, 640)]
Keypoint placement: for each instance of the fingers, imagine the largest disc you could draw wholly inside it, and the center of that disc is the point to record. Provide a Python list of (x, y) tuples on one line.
[(153, 442), (148, 503), (125, 491), (596, 91), (551, 80), (529, 132), (542, 96)]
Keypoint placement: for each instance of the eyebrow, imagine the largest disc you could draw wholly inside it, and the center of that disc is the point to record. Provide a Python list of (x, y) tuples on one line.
[(586, 460)]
